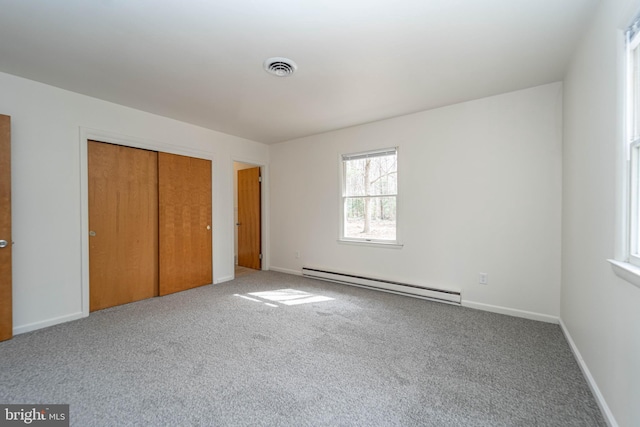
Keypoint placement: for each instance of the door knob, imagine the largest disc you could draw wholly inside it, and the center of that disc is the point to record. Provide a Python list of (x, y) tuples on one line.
[(208, 227), (3, 243)]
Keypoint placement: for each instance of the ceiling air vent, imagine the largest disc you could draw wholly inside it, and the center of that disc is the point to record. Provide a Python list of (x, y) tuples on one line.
[(281, 67)]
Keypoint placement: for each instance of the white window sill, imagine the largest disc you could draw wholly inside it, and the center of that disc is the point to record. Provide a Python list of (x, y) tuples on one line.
[(371, 244), (626, 271)]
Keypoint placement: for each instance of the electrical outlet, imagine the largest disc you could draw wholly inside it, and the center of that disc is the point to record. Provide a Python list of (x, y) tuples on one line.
[(297, 254), (483, 279)]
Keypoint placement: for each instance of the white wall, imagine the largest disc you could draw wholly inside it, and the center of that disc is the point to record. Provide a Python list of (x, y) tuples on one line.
[(600, 311), (46, 189), (480, 191)]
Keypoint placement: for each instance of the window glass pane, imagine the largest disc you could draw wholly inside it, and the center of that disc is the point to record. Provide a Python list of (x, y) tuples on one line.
[(635, 93), (633, 129), (379, 224), (371, 176)]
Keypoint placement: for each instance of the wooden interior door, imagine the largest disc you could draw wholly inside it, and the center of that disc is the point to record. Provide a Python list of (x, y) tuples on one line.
[(6, 301), (123, 224), (185, 222), (249, 229)]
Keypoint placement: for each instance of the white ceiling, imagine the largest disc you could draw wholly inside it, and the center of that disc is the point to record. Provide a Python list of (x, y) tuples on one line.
[(200, 61)]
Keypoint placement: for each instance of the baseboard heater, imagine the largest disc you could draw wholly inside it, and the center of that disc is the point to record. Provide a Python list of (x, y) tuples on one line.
[(451, 297)]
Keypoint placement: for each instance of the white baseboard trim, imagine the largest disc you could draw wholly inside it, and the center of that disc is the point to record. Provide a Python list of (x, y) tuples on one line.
[(225, 279), (602, 404), (511, 311), (46, 323), (286, 271)]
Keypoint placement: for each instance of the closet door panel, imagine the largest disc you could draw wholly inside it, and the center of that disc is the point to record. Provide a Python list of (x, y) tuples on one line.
[(123, 224), (184, 222)]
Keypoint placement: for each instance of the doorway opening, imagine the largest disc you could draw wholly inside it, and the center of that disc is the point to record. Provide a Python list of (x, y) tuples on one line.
[(247, 191)]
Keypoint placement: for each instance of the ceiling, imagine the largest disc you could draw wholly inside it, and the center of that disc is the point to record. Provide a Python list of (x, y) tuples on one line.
[(200, 61)]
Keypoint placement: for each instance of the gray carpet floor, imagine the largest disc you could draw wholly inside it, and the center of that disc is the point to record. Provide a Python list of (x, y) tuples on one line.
[(219, 356), (243, 271)]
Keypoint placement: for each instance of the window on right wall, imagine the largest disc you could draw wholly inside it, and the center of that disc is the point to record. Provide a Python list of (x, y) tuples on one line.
[(369, 196), (632, 138), (626, 265)]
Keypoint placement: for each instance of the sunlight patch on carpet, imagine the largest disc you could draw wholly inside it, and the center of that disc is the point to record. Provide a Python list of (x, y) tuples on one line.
[(290, 296), (246, 297)]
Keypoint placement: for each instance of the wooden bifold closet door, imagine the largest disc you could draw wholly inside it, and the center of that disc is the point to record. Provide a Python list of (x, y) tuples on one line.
[(149, 224), (123, 224), (185, 222)]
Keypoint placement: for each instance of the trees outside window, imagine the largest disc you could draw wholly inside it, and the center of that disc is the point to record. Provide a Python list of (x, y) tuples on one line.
[(370, 190)]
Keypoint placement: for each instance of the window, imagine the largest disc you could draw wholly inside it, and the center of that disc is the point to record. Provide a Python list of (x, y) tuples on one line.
[(369, 196), (633, 140), (627, 264)]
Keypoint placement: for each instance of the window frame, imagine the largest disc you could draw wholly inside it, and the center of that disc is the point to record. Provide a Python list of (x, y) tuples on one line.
[(626, 261), (632, 146), (342, 159)]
